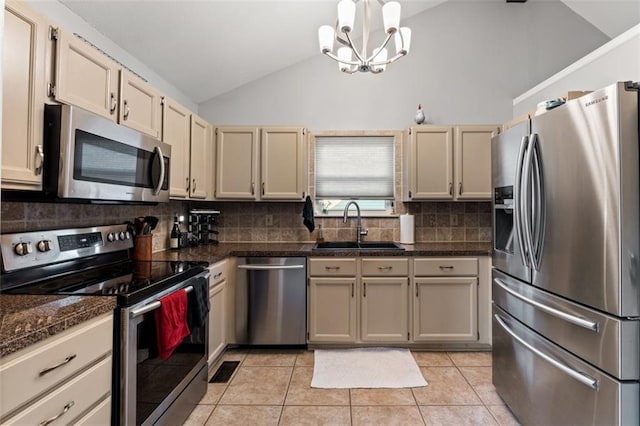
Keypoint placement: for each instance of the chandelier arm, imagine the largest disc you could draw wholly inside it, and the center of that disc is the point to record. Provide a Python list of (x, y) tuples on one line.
[(335, 58), (388, 61), (349, 70), (386, 41), (351, 45)]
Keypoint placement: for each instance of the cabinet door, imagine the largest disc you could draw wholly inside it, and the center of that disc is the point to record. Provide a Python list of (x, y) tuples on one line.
[(176, 127), (236, 162), (217, 321), (140, 105), (23, 96), (283, 163), (431, 163), (473, 162), (445, 309), (332, 310), (201, 160), (85, 77), (384, 310)]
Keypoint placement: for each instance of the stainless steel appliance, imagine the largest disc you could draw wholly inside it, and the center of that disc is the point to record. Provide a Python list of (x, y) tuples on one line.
[(271, 301), (95, 262), (92, 158), (566, 289)]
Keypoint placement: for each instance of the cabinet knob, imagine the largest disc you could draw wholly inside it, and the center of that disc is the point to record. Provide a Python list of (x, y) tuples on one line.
[(114, 105)]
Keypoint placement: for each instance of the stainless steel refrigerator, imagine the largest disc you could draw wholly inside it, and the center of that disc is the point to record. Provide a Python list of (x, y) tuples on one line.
[(566, 285)]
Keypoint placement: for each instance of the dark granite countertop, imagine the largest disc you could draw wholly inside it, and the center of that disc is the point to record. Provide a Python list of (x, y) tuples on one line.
[(215, 253), (25, 320)]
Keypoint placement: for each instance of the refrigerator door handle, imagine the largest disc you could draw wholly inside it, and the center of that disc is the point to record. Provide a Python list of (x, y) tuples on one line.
[(580, 322), (517, 197), (539, 204), (526, 208), (581, 377)]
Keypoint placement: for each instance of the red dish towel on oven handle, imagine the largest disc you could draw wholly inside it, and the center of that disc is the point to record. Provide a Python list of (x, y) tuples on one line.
[(171, 322)]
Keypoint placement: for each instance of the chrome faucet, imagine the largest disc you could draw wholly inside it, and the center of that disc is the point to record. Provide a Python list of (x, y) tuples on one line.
[(359, 232)]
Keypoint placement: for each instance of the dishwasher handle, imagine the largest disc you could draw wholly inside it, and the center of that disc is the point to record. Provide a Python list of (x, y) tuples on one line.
[(269, 267)]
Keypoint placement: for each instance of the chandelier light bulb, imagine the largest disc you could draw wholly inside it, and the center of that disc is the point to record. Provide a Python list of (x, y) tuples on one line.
[(402, 40), (379, 55), (346, 15), (326, 36), (391, 16), (345, 55)]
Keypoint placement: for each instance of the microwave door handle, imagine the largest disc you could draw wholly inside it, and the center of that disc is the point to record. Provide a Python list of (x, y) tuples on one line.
[(160, 157), (517, 195)]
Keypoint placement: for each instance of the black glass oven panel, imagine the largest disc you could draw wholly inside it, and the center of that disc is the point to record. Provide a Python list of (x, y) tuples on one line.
[(156, 378), (78, 241)]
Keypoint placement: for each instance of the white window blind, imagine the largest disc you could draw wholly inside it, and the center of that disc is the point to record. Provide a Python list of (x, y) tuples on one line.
[(354, 167)]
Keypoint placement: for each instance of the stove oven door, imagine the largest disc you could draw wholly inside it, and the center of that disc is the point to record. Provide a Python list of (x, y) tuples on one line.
[(153, 389)]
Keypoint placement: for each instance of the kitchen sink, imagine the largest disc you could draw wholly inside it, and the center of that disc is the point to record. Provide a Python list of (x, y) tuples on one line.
[(352, 245)]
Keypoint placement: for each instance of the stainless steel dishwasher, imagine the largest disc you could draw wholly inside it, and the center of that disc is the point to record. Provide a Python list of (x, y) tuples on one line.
[(271, 301)]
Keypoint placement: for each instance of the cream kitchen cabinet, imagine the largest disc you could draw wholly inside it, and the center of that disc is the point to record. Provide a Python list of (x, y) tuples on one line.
[(217, 311), (67, 375), (260, 164), (24, 77), (332, 301), (140, 106), (384, 304), (88, 78), (445, 307), (448, 163), (191, 152)]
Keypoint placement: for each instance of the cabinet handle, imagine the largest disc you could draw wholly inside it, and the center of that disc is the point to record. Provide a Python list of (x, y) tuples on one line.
[(40, 154), (410, 194), (253, 188), (187, 189), (112, 109), (460, 188), (217, 275), (385, 268), (126, 111), (62, 413), (194, 185), (332, 268), (67, 360), (417, 289), (352, 290), (364, 293), (262, 188), (450, 189), (446, 268)]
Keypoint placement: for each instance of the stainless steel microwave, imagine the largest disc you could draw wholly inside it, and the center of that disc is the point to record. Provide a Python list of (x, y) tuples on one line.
[(88, 157)]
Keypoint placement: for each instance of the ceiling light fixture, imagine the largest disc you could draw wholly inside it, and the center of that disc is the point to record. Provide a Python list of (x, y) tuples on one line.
[(377, 61)]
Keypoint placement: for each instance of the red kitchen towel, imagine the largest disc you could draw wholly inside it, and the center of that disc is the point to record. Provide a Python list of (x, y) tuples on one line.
[(171, 322)]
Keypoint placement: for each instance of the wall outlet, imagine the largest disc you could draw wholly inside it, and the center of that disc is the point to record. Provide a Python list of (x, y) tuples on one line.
[(268, 220)]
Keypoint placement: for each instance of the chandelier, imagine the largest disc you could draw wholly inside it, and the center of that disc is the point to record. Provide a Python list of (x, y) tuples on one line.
[(377, 60)]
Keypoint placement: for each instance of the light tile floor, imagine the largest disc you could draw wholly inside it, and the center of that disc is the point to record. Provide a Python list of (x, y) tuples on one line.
[(273, 388)]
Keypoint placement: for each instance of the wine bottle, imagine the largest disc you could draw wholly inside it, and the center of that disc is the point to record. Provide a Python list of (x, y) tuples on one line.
[(174, 237)]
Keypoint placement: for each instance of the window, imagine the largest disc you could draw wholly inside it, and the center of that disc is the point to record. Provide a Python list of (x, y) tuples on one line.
[(354, 168)]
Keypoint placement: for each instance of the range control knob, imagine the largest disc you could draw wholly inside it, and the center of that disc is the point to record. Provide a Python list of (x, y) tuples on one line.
[(23, 249), (123, 235), (44, 245), (111, 236)]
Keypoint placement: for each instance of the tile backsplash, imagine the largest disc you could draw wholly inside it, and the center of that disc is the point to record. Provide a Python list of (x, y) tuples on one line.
[(247, 221)]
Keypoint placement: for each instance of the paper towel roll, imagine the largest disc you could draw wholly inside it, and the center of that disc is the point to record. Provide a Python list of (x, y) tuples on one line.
[(407, 229)]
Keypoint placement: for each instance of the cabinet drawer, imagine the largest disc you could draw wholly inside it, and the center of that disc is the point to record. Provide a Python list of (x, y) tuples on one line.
[(22, 377), (73, 398), (332, 267), (217, 272), (99, 415), (446, 266), (382, 267)]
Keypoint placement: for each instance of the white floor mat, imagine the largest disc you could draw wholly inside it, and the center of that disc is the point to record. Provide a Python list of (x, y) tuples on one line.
[(365, 368)]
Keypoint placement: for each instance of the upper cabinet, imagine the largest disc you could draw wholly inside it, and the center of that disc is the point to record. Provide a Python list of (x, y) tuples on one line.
[(449, 163), (140, 105), (176, 131), (84, 76), (87, 78), (260, 164), (23, 96), (283, 160), (201, 159)]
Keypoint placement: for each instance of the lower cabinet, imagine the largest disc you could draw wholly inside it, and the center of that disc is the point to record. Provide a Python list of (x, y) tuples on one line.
[(217, 311), (66, 377), (384, 310), (332, 310)]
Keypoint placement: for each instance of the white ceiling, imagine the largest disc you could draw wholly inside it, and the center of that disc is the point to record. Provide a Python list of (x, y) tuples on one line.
[(206, 48)]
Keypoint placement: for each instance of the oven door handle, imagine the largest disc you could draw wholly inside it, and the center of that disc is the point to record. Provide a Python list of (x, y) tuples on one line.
[(153, 305)]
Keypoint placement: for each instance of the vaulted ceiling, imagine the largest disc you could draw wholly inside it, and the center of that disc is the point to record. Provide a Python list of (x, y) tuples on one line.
[(206, 48)]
